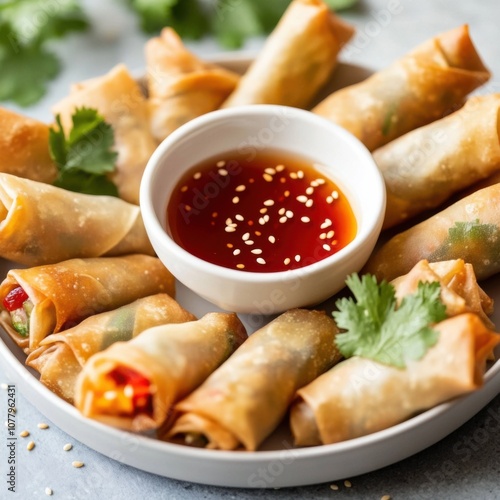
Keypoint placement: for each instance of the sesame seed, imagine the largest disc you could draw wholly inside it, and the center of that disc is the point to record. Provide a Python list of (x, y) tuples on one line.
[(197, 175), (267, 177), (310, 190), (270, 171), (220, 163), (229, 245), (30, 445), (302, 198), (239, 217), (281, 211), (240, 188), (42, 426), (249, 242), (266, 217), (230, 229), (289, 214), (335, 195), (326, 247), (300, 174), (314, 183), (272, 239), (309, 203), (326, 224), (297, 258), (283, 219), (77, 464), (320, 181), (245, 236), (128, 391), (263, 210), (229, 221), (322, 236), (269, 203), (67, 447), (236, 200), (48, 491), (347, 483), (223, 172), (305, 219), (237, 251), (240, 266), (334, 487), (293, 175), (262, 221), (286, 261), (329, 199), (260, 260), (286, 193), (24, 434), (280, 168), (258, 233), (330, 234), (256, 251)]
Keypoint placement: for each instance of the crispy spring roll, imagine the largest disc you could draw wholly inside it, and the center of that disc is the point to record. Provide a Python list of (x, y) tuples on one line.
[(297, 59), (360, 396), (242, 402), (134, 384), (469, 230), (44, 224), (460, 291), (60, 357), (120, 100), (425, 167), (181, 86), (24, 147), (47, 299), (426, 84)]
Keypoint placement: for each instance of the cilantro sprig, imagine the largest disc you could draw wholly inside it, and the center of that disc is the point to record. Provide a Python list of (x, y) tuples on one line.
[(378, 329), (84, 155)]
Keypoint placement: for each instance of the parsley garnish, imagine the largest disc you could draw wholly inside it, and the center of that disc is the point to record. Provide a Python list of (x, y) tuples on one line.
[(84, 156), (379, 330)]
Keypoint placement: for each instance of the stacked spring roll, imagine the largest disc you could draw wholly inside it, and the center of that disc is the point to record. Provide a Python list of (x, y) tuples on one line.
[(426, 84), (60, 357), (43, 224), (243, 401), (42, 300), (133, 385), (297, 59)]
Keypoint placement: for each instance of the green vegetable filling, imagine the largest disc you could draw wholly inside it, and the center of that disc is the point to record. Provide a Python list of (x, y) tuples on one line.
[(21, 318)]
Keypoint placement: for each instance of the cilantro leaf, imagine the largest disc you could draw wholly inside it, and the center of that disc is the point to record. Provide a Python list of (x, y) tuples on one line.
[(153, 14), (377, 329), (84, 155)]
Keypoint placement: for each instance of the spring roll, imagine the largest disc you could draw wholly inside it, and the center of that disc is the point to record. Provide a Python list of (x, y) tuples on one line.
[(133, 385), (469, 230), (242, 402), (24, 147), (47, 299), (120, 100), (181, 86), (44, 224), (360, 396), (297, 59), (60, 357), (460, 291), (426, 84), (425, 167)]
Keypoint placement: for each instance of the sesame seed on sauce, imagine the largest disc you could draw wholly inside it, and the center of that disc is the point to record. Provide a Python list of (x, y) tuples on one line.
[(295, 210)]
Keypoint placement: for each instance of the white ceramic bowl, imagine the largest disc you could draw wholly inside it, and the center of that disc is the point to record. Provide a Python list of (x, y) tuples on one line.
[(347, 162)]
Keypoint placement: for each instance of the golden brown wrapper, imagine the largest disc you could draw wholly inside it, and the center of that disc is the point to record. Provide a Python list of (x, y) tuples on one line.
[(120, 100), (174, 358), (181, 86), (426, 84), (60, 357), (360, 396), (469, 230), (44, 224), (425, 167), (65, 293), (297, 59), (24, 147), (243, 401)]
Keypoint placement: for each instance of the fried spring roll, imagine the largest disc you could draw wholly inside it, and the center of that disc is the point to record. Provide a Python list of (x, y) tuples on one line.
[(297, 59), (360, 396), (469, 230), (119, 99), (47, 299), (60, 357), (44, 224), (181, 86), (426, 84), (242, 402), (425, 167), (133, 384), (24, 147)]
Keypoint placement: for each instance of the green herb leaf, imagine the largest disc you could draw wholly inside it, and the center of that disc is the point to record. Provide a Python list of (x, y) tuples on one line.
[(377, 329), (340, 4), (84, 155), (153, 14)]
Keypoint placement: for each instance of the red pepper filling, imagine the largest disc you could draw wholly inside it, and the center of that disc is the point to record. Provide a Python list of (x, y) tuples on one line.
[(142, 398), (15, 299)]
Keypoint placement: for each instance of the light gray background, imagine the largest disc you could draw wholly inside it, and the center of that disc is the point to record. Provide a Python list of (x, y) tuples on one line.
[(464, 465)]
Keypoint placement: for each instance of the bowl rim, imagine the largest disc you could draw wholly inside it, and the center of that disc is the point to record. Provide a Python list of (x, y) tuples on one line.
[(372, 218)]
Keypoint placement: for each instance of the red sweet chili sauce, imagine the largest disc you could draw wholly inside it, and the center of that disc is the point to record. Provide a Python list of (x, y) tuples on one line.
[(270, 213)]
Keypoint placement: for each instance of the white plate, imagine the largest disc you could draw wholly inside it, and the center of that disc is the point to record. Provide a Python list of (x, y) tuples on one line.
[(277, 464)]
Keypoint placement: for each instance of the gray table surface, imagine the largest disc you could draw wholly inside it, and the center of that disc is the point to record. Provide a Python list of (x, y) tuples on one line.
[(464, 465)]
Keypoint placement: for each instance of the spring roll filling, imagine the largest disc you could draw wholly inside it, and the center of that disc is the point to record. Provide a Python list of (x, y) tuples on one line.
[(20, 306)]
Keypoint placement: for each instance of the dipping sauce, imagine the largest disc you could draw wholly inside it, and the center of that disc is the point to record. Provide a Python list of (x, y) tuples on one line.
[(270, 213)]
